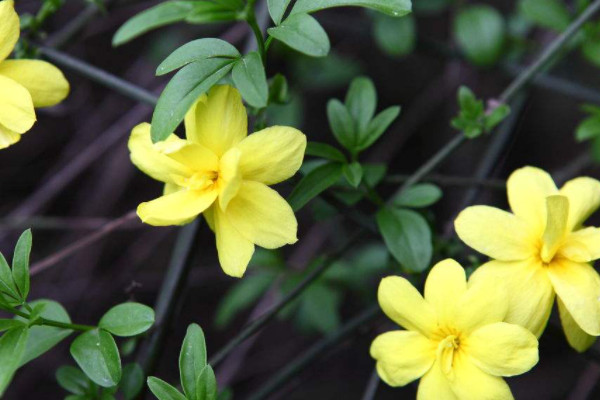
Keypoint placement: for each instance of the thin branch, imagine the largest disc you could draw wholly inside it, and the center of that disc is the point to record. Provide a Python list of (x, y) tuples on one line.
[(81, 243), (56, 223), (372, 386), (452, 180)]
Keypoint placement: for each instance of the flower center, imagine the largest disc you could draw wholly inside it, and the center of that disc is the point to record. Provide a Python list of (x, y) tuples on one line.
[(199, 181), (445, 352)]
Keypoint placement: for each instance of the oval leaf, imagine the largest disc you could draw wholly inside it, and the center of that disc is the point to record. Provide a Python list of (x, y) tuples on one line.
[(72, 379), (324, 150), (480, 31), (192, 359), (132, 381), (127, 319), (12, 348), (303, 33), (277, 9), (197, 50), (250, 78), (314, 183), (20, 270), (407, 236), (97, 355), (395, 8), (163, 391), (206, 384), (419, 195)]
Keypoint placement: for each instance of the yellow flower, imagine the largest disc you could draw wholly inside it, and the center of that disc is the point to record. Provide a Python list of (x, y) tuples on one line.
[(455, 340), (540, 250), (223, 173), (24, 84)]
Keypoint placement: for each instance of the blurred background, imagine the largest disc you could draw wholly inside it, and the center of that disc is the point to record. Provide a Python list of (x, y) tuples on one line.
[(71, 174)]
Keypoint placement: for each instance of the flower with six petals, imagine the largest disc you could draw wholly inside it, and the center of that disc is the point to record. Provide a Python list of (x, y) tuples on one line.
[(455, 338), (24, 84), (542, 250), (221, 172)]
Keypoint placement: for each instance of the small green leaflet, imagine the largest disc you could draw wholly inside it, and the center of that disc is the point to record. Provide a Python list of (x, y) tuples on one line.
[(97, 355), (192, 359), (302, 33), (127, 319), (12, 347), (163, 391), (480, 32), (395, 8), (277, 9), (250, 78), (314, 183), (197, 50)]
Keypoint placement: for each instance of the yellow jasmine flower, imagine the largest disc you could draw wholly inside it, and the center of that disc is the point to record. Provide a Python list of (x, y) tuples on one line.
[(24, 84), (455, 338), (540, 250), (222, 173)]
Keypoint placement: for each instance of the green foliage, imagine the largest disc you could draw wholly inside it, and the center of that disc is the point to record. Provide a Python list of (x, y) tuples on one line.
[(314, 183), (74, 380), (353, 173), (589, 129), (325, 151), (550, 14), (473, 119), (277, 9), (302, 33), (480, 32), (197, 377), (395, 8), (197, 50), (169, 12), (20, 264), (250, 78), (419, 195), (395, 36), (407, 236), (12, 348), (127, 319), (97, 355), (132, 381), (81, 387)]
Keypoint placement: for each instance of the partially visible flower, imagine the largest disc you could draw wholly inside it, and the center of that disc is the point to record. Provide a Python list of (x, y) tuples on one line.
[(542, 250), (455, 338), (222, 173), (24, 84)]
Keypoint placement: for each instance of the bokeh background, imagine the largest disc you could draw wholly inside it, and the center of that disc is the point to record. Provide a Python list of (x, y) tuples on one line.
[(71, 174)]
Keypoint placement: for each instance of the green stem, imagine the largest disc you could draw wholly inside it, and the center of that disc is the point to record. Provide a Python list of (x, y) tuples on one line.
[(50, 322), (260, 40)]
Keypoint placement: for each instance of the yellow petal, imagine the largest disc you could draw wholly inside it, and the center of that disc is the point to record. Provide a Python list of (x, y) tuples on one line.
[(582, 245), (502, 349), (483, 303), (471, 383), (272, 155), (556, 226), (403, 304), (16, 106), (445, 284), (230, 178), (577, 338), (193, 156), (584, 199), (235, 251), (209, 217), (578, 287), (218, 122), (435, 385), (529, 291), (176, 208), (262, 216), (46, 83), (495, 233), (527, 189), (402, 356), (8, 137), (148, 157), (9, 28)]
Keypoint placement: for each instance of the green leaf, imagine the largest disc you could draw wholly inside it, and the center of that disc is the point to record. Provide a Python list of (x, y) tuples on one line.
[(314, 183), (250, 78), (197, 50), (361, 102), (243, 294), (127, 319), (495, 117), (551, 14), (480, 33), (319, 308), (132, 381), (419, 195), (163, 391), (302, 33), (470, 106), (353, 173), (6, 324), (589, 128), (192, 359), (183, 90), (20, 264), (72, 380), (7, 284), (43, 338), (97, 355), (279, 90), (206, 384), (12, 347), (395, 8), (163, 14), (378, 126), (395, 36), (407, 236), (341, 124), (277, 9), (591, 51), (323, 150)]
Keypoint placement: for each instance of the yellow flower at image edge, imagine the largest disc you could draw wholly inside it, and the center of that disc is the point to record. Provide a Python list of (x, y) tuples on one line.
[(542, 250), (24, 84), (455, 338), (223, 173)]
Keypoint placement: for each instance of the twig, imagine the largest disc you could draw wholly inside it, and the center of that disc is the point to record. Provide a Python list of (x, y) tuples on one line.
[(55, 223), (372, 386), (451, 180), (78, 245)]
